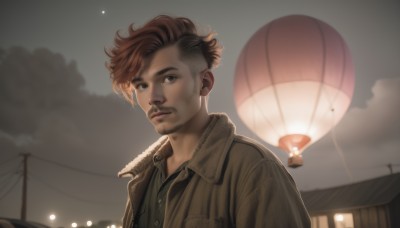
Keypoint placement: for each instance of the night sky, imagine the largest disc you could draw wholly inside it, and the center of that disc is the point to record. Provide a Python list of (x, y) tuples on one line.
[(57, 103)]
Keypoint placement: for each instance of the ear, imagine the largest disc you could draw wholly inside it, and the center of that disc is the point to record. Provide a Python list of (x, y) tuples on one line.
[(207, 83)]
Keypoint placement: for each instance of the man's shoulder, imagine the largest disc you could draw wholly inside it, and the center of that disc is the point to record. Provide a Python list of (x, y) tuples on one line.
[(243, 146), (253, 159), (142, 161)]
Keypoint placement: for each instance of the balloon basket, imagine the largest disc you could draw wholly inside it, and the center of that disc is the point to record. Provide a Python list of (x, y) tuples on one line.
[(295, 161)]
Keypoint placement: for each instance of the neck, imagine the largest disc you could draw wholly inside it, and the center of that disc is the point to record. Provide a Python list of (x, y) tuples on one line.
[(184, 142)]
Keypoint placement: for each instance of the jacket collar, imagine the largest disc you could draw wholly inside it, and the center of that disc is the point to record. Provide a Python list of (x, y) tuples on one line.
[(208, 157)]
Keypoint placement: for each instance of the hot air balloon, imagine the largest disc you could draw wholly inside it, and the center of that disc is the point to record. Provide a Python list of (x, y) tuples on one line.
[(294, 81)]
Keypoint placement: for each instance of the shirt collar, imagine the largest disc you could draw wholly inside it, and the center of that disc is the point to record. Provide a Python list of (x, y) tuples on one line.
[(208, 157)]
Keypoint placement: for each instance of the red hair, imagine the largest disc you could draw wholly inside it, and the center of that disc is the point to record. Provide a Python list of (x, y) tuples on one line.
[(128, 54)]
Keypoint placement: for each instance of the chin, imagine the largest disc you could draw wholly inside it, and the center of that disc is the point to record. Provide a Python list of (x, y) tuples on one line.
[(163, 130)]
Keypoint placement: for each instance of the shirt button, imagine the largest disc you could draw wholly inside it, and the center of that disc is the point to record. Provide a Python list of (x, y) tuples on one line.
[(159, 200), (156, 223)]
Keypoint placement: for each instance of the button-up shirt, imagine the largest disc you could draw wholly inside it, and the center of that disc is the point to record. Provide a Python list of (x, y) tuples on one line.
[(152, 208)]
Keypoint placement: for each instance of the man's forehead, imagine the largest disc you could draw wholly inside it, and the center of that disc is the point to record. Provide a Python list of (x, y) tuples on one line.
[(169, 58), (157, 71), (164, 58)]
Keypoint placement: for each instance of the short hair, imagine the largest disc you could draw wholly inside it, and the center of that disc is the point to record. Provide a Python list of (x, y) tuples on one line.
[(128, 54)]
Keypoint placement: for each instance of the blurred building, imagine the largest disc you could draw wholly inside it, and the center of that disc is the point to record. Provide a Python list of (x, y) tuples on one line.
[(371, 203)]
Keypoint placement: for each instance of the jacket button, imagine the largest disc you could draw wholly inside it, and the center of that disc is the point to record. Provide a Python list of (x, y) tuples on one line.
[(156, 223)]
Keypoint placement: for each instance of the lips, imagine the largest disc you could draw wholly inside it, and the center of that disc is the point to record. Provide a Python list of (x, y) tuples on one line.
[(158, 114)]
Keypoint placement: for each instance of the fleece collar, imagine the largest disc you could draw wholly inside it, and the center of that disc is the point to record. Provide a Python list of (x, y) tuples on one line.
[(208, 157)]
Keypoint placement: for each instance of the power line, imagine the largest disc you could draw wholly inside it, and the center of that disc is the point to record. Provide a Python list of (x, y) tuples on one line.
[(341, 154), (70, 195), (10, 189), (339, 149), (12, 170), (75, 169), (6, 180), (9, 160)]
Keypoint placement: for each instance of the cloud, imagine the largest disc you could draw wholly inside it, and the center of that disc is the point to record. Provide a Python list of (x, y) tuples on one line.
[(379, 120), (368, 137), (45, 111), (372, 134), (20, 140), (32, 84), (43, 100)]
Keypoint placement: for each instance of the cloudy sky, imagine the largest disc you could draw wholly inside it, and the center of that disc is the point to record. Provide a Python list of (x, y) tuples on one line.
[(56, 101)]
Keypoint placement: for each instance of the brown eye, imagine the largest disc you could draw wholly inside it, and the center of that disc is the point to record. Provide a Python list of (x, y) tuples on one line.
[(169, 79), (140, 86)]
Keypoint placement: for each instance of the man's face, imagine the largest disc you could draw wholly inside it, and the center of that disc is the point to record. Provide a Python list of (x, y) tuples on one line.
[(168, 90)]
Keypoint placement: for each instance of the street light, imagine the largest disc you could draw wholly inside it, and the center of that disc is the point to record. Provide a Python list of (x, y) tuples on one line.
[(74, 224), (52, 217), (89, 223)]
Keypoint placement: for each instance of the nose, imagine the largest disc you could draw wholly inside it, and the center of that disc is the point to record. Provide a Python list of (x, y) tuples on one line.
[(156, 96)]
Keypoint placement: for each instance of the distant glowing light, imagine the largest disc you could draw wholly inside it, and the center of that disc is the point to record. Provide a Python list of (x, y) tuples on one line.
[(74, 225), (339, 217), (89, 223), (113, 226), (103, 12), (52, 217)]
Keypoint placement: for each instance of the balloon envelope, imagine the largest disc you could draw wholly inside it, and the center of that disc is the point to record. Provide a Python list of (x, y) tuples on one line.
[(294, 81)]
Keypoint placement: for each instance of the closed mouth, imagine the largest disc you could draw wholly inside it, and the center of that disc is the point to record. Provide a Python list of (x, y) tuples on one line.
[(156, 114)]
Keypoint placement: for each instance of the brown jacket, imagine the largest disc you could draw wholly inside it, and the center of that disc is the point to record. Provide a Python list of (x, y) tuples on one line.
[(231, 181)]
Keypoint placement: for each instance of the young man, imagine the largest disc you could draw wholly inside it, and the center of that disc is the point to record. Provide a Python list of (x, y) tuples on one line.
[(199, 173)]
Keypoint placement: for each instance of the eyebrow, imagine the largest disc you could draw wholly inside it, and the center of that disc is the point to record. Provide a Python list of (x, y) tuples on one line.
[(160, 72)]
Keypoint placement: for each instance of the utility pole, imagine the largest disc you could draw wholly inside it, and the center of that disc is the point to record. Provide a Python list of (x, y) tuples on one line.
[(390, 166), (24, 185)]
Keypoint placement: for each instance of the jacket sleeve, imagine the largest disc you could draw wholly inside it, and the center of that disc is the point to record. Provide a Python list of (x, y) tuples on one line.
[(269, 198)]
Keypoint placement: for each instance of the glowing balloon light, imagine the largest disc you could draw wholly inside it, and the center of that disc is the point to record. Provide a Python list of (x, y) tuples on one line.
[(294, 81)]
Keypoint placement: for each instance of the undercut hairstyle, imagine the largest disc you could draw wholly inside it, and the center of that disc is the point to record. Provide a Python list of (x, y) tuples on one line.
[(128, 54)]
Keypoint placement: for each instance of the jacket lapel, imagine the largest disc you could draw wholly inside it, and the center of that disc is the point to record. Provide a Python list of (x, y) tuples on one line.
[(211, 152)]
